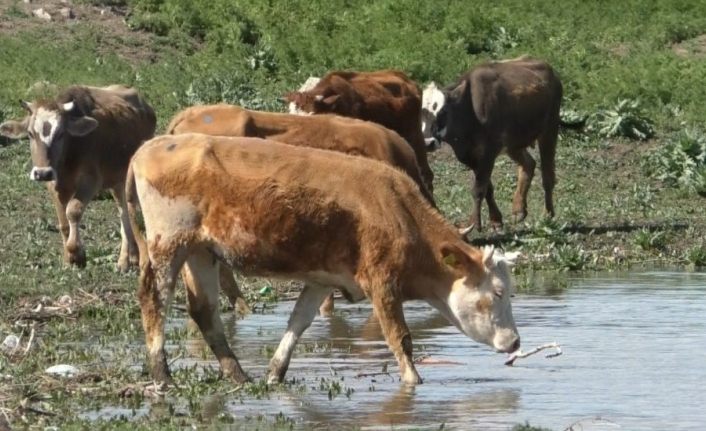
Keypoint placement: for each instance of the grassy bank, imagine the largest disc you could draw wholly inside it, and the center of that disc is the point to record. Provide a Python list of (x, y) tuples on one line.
[(621, 202)]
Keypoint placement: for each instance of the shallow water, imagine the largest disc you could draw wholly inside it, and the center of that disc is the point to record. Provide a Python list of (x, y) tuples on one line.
[(634, 359)]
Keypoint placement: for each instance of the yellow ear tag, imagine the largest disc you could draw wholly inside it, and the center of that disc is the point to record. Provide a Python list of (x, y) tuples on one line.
[(450, 260)]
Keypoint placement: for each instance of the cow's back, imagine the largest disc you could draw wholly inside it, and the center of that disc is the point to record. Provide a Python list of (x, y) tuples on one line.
[(271, 197), (327, 132), (516, 96)]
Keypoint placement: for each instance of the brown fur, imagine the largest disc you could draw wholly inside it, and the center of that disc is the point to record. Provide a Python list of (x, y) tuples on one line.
[(328, 132), (387, 97), (276, 210), (93, 162), (504, 106)]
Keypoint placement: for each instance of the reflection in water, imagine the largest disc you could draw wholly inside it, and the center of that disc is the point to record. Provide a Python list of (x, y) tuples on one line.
[(633, 344)]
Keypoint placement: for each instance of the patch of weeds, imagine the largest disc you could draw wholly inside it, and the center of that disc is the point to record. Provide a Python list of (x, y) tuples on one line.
[(650, 240), (569, 257), (15, 11), (334, 388), (681, 162), (697, 256), (550, 230), (626, 119), (644, 197), (527, 427), (258, 389), (572, 118)]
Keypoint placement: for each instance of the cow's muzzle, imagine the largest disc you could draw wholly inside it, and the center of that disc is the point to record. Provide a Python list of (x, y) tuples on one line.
[(42, 174), (432, 144)]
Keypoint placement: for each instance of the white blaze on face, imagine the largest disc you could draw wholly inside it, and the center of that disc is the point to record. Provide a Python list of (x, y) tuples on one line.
[(309, 84), (484, 312), (45, 125), (432, 101)]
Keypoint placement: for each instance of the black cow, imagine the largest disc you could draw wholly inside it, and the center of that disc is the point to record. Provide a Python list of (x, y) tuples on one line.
[(503, 106)]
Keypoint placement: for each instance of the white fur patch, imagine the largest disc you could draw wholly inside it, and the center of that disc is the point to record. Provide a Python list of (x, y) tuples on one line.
[(46, 116), (432, 99), (309, 84), (165, 216)]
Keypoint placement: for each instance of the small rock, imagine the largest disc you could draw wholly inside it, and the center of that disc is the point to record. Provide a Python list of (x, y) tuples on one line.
[(10, 343), (26, 1), (67, 13), (65, 301), (62, 370), (41, 14)]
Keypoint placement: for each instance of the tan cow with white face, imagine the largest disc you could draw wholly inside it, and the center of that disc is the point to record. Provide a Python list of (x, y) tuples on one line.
[(81, 143), (275, 210)]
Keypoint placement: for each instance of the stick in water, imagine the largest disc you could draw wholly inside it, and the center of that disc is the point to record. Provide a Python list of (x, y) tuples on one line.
[(521, 354)]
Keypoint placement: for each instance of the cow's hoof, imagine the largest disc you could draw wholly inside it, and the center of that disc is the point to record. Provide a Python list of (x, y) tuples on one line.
[(519, 217), (411, 378), (123, 266), (274, 379), (76, 258), (326, 308)]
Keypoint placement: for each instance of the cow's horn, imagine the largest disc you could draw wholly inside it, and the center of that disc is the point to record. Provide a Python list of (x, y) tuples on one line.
[(68, 106), (319, 97), (466, 230)]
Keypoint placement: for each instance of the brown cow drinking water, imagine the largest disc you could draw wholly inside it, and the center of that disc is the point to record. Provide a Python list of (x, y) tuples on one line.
[(276, 210), (501, 106), (81, 143)]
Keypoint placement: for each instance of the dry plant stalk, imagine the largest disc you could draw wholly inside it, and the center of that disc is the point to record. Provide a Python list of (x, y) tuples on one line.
[(520, 354)]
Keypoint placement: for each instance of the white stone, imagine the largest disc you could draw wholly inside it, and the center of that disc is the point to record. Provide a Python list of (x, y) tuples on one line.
[(62, 370), (41, 14)]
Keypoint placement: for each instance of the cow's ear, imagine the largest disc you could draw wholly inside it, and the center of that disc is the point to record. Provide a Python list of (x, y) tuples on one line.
[(330, 100), (458, 92), (28, 106), (81, 126), (14, 129), (457, 259)]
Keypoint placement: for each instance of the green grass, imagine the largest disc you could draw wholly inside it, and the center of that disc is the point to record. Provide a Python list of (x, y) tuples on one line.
[(251, 53)]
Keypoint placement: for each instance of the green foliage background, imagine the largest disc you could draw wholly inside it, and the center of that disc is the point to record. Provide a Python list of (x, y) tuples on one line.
[(254, 51)]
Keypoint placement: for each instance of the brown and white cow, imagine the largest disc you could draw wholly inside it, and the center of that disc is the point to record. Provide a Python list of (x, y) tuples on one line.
[(81, 143), (276, 210), (328, 132), (387, 97), (503, 106)]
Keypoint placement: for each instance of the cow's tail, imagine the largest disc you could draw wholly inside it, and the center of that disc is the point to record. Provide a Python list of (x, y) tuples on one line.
[(132, 204)]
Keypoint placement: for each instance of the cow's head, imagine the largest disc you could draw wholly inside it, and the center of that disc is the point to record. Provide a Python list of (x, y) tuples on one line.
[(295, 99), (47, 124), (312, 102), (432, 101), (452, 120), (479, 300)]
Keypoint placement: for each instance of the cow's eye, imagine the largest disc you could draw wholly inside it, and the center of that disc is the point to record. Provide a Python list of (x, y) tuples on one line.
[(498, 294), (433, 106)]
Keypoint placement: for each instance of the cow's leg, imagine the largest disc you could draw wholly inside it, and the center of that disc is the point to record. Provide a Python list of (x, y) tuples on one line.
[(525, 173), (157, 280), (232, 291), (303, 314), (326, 308), (201, 279), (129, 255), (420, 151), (388, 310), (483, 171), (496, 217), (547, 153), (74, 250), (60, 208)]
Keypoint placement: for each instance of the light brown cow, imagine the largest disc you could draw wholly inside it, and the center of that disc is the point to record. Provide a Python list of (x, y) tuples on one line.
[(327, 132), (276, 210), (81, 143), (387, 97)]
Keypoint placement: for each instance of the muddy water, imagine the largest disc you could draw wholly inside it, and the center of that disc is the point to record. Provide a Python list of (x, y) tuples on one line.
[(634, 358)]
